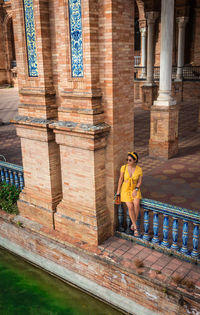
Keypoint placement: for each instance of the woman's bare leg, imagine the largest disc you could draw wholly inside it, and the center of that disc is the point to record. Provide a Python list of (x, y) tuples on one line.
[(131, 212), (136, 203)]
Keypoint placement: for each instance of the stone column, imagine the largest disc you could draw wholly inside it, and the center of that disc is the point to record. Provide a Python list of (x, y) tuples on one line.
[(167, 22), (151, 18), (164, 114), (143, 32), (40, 153), (149, 89), (182, 21)]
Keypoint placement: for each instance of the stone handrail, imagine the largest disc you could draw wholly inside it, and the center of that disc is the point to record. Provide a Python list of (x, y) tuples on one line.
[(166, 212), (189, 73), (12, 174)]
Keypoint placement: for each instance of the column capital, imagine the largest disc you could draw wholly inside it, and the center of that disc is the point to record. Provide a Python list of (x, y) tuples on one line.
[(151, 16), (142, 23), (143, 31), (182, 21)]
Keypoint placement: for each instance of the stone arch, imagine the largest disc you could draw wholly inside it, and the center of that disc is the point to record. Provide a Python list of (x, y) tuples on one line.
[(9, 46), (140, 6)]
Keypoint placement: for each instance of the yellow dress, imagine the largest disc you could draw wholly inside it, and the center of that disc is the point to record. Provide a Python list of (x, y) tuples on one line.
[(130, 183)]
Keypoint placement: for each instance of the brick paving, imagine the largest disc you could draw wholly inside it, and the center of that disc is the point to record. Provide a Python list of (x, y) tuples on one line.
[(152, 264), (176, 181)]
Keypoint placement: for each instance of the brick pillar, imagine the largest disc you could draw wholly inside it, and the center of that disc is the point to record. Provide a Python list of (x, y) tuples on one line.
[(92, 152), (82, 216), (37, 107), (116, 48)]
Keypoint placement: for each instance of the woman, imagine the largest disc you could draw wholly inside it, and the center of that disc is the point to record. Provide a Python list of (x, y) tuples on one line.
[(129, 184)]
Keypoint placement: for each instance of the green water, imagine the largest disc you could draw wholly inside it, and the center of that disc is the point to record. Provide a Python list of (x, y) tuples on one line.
[(25, 289)]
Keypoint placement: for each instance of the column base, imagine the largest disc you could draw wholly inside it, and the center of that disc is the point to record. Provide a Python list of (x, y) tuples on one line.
[(80, 224), (38, 206), (164, 132), (149, 94), (178, 79), (37, 214), (163, 150)]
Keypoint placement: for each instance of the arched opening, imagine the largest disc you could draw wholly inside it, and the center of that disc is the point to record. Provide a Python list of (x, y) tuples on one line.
[(11, 56)]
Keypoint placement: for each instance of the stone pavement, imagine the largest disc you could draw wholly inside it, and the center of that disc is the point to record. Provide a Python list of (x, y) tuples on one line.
[(176, 181), (9, 101), (10, 146)]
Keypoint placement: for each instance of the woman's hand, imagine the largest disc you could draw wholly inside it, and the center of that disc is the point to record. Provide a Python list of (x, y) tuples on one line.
[(134, 193)]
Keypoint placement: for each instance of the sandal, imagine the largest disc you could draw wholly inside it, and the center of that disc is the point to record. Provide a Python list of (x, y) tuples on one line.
[(136, 234)]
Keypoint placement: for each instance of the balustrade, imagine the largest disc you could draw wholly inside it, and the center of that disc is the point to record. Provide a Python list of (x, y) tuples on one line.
[(12, 174), (189, 73), (171, 227)]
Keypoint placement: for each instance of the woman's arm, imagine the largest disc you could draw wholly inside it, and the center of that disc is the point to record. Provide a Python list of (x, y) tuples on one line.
[(139, 183), (121, 179), (134, 194)]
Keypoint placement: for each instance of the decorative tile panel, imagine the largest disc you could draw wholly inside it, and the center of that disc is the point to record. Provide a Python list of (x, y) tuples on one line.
[(30, 38), (76, 38)]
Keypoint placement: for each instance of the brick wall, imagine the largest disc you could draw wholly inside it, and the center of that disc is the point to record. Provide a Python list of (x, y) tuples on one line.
[(149, 295)]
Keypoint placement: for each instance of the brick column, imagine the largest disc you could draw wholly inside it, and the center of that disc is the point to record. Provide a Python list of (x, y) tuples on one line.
[(37, 107), (164, 113), (102, 97), (82, 216), (116, 50)]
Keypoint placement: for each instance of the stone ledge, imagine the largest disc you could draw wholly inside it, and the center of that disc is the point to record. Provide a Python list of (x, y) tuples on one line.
[(80, 127), (62, 125)]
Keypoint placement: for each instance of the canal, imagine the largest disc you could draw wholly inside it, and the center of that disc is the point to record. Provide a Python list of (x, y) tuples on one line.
[(26, 289)]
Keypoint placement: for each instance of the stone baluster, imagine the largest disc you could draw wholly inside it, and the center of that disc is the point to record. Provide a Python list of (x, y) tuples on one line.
[(165, 242), (184, 248), (146, 226), (128, 223), (175, 234), (2, 175), (16, 179), (120, 218), (7, 176), (155, 228), (11, 177), (195, 241), (138, 222), (21, 180)]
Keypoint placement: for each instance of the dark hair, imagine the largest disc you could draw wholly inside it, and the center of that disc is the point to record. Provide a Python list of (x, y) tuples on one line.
[(133, 157)]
